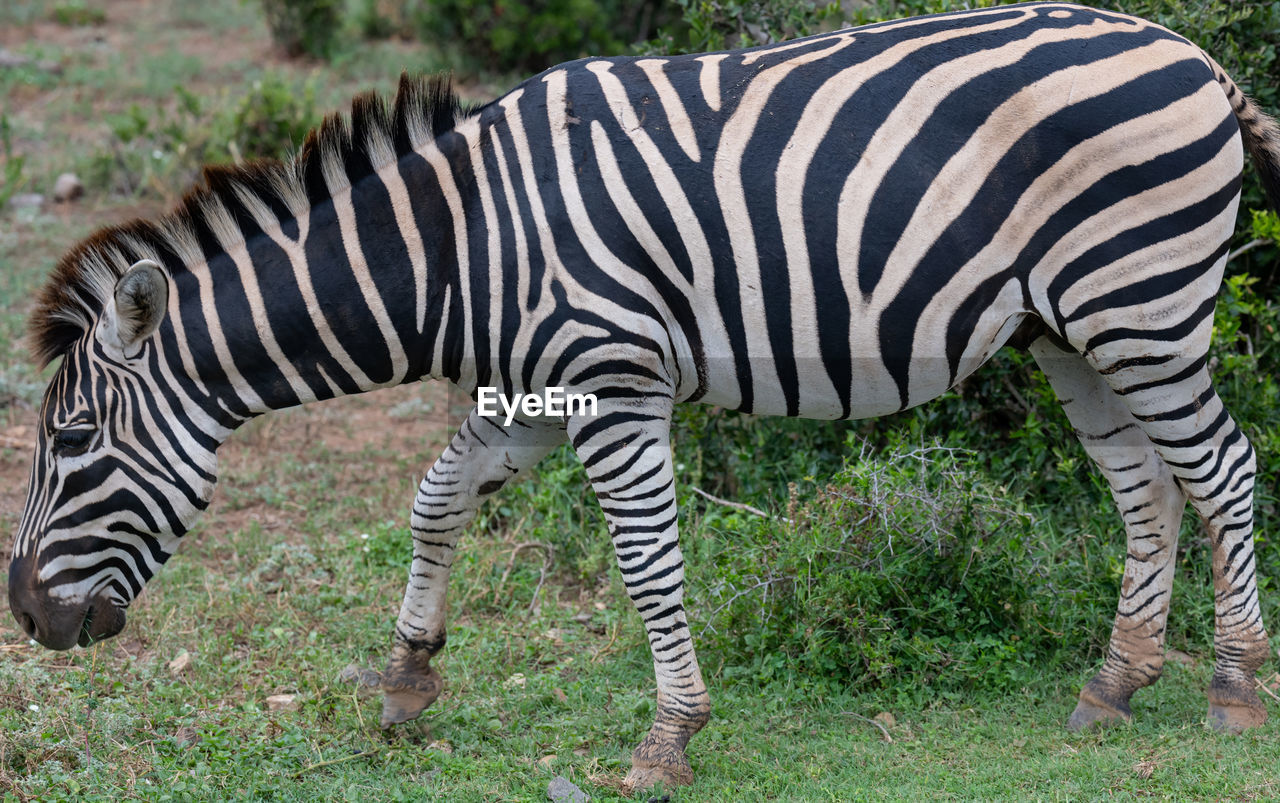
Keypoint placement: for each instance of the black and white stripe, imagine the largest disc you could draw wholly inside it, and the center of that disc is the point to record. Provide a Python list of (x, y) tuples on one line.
[(837, 227)]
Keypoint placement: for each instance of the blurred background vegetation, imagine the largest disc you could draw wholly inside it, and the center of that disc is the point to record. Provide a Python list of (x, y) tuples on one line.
[(965, 544)]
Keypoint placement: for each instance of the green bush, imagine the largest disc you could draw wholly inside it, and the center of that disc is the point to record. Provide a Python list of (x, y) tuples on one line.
[(707, 25), (304, 27), (77, 14), (271, 120), (909, 568), (509, 36), (156, 149)]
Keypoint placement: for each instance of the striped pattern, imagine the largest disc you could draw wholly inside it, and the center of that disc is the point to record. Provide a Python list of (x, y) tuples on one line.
[(837, 227)]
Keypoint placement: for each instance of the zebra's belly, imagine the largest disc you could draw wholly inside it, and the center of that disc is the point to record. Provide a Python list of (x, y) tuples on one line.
[(872, 389), (869, 377)]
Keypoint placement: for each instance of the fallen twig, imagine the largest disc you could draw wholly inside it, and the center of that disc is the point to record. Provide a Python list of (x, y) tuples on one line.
[(883, 730), (755, 511), (603, 650), (353, 756), (759, 584), (1264, 687), (547, 551)]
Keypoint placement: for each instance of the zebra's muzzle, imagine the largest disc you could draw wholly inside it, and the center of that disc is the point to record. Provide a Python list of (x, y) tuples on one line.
[(59, 624)]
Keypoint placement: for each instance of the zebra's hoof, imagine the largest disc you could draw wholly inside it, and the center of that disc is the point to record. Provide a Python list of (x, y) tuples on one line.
[(404, 698), (1095, 711), (1236, 718), (1234, 707), (654, 764)]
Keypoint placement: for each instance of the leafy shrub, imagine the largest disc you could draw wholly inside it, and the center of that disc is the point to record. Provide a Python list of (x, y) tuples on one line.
[(155, 149), (77, 14), (711, 25), (272, 119), (505, 36), (380, 19), (148, 145), (908, 568), (304, 27)]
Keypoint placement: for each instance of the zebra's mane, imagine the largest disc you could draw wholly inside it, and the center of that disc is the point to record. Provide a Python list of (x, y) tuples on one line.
[(230, 204)]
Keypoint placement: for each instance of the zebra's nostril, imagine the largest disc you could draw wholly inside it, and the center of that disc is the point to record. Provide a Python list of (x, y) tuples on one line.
[(28, 623)]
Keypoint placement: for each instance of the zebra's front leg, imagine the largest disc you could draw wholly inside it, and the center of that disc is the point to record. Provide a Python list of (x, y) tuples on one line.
[(482, 457), (626, 450), (1151, 505)]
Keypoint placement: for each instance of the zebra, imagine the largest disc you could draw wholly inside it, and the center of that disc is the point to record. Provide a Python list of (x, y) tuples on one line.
[(839, 226)]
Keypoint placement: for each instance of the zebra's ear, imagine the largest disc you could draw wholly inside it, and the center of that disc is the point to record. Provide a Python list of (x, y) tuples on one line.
[(136, 309)]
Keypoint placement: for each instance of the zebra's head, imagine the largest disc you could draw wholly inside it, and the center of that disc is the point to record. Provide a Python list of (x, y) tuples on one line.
[(116, 478)]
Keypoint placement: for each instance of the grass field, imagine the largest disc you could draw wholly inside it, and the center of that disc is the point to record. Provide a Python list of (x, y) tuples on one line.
[(226, 683)]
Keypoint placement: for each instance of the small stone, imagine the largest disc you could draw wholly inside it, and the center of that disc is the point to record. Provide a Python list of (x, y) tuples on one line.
[(26, 200), (282, 702), (516, 681), (554, 635), (562, 790), (185, 737), (180, 663), (365, 680), (547, 760), (68, 187)]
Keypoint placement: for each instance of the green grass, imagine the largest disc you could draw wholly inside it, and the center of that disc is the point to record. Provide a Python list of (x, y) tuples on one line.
[(114, 722)]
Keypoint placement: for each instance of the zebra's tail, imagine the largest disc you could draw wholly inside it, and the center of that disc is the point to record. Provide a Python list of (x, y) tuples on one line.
[(1261, 133)]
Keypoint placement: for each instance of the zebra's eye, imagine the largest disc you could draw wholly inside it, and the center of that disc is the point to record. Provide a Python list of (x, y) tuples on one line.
[(71, 442)]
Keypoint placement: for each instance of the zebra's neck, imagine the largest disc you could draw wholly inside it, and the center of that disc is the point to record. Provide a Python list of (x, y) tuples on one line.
[(333, 273), (356, 291)]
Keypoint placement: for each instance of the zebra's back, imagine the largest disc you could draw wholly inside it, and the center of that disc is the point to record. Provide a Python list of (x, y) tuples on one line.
[(846, 225)]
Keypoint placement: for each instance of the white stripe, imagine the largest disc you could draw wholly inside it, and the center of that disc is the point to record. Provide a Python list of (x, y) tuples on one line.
[(346, 213), (492, 227), (677, 117), (453, 199), (209, 309), (403, 209), (709, 79)]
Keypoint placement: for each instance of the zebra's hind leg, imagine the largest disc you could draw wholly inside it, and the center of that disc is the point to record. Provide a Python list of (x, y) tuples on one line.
[(1151, 505), (482, 457), (626, 450), (1175, 404)]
